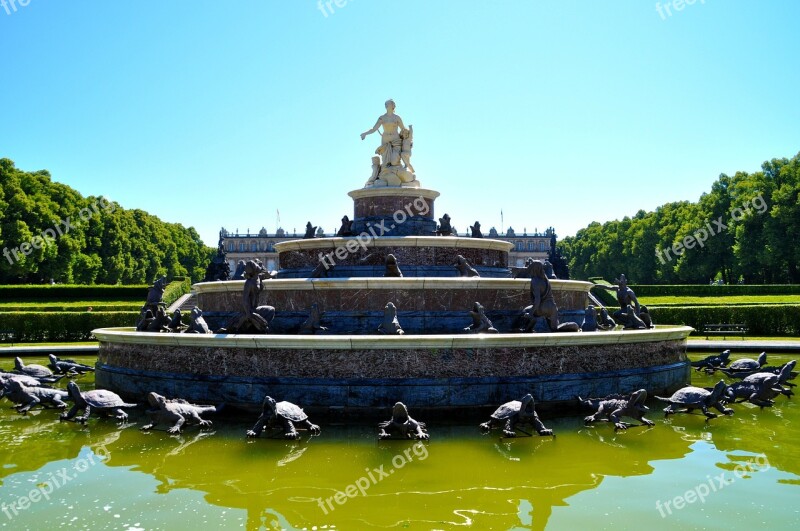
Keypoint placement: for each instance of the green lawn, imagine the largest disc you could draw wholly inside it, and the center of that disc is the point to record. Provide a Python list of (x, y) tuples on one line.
[(720, 301), (63, 344)]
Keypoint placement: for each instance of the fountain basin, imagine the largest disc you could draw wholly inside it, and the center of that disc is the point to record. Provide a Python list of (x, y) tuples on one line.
[(362, 374)]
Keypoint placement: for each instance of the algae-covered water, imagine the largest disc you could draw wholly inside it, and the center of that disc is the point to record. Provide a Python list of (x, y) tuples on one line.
[(739, 472)]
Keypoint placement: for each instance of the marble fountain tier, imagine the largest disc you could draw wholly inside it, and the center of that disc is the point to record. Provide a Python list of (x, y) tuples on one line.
[(353, 369)]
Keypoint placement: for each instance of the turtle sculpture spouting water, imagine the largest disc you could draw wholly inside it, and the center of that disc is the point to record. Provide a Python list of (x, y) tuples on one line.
[(28, 397), (40, 372), (784, 374), (613, 407), (516, 413), (100, 400), (282, 415), (745, 366), (402, 426), (709, 364), (691, 398), (176, 412), (68, 367), (759, 389)]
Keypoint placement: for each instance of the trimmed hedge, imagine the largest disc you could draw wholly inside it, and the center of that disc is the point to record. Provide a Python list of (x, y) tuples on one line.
[(62, 326), (178, 287), (608, 298), (761, 320), (59, 292), (705, 290)]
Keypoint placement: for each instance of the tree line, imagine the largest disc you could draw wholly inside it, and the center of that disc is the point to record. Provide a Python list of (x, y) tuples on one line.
[(48, 231), (747, 228)]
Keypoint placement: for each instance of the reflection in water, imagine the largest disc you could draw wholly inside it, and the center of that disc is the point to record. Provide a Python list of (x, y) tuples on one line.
[(462, 479)]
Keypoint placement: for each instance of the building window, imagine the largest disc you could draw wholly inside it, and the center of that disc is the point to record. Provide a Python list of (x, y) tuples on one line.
[(542, 246), (241, 247), (253, 247), (530, 246), (230, 247), (519, 246)]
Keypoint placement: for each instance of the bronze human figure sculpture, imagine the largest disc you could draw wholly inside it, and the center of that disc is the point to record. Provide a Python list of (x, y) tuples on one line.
[(544, 304), (476, 230), (253, 317), (626, 297), (310, 231)]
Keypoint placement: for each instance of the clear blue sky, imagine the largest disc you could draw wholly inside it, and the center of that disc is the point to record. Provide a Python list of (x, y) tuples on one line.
[(557, 112)]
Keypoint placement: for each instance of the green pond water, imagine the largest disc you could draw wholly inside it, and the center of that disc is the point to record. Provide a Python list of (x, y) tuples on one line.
[(103, 476)]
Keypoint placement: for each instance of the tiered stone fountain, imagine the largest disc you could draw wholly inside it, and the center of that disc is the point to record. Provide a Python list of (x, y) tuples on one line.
[(351, 367)]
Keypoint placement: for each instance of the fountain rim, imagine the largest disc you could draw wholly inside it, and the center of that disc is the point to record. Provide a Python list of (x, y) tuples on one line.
[(127, 335), (424, 283), (399, 191)]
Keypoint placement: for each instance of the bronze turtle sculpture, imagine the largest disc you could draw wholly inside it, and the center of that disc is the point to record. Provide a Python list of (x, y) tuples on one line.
[(177, 412), (745, 366), (40, 372), (515, 413), (100, 400), (283, 415), (613, 407), (402, 426), (759, 389), (692, 398), (28, 397), (785, 372)]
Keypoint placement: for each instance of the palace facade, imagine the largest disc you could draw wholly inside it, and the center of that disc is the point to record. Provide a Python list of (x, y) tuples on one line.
[(248, 246)]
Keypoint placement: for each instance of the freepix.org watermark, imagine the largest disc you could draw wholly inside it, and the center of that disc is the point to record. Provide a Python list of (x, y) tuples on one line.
[(665, 10), (54, 482), (10, 6), (712, 485), (328, 7), (712, 228), (417, 207), (373, 477), (60, 228)]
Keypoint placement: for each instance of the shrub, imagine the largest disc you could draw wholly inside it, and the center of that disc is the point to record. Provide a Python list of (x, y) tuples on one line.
[(175, 289), (60, 292), (62, 326)]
